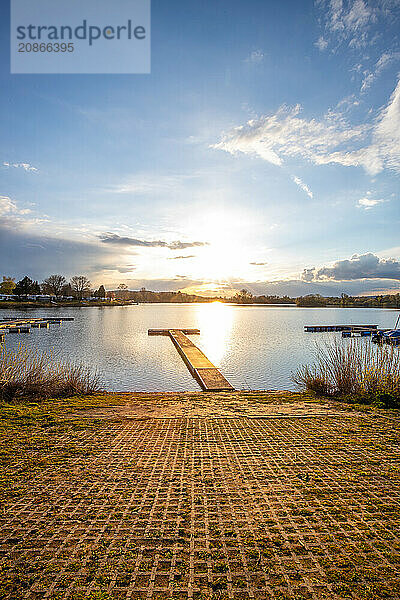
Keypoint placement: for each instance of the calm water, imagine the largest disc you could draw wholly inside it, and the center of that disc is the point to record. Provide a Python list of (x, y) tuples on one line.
[(256, 347)]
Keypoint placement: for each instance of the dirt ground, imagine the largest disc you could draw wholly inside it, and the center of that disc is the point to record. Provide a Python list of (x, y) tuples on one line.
[(242, 495), (224, 404)]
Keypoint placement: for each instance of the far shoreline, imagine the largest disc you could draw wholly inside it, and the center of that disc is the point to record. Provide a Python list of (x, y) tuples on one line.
[(47, 305)]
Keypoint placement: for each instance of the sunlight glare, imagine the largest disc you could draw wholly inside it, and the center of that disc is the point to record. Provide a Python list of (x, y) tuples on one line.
[(215, 321)]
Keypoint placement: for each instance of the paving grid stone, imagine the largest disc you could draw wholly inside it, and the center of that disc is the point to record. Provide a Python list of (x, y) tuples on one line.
[(214, 507)]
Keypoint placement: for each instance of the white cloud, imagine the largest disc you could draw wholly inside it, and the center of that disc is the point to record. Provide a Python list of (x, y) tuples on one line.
[(303, 186), (321, 43), (150, 183), (364, 266), (286, 134), (359, 16), (9, 207), (368, 203), (349, 21), (355, 23), (384, 61), (372, 146), (256, 57), (25, 166), (387, 131)]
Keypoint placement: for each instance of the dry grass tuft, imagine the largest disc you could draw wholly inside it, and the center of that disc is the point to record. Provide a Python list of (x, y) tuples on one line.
[(27, 374), (365, 372)]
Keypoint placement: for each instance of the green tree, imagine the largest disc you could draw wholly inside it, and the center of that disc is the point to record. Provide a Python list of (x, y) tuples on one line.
[(311, 300), (7, 285), (26, 286), (243, 297), (35, 288), (344, 299), (101, 292)]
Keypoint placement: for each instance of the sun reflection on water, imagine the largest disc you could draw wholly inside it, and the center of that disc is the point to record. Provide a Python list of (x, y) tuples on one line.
[(215, 322)]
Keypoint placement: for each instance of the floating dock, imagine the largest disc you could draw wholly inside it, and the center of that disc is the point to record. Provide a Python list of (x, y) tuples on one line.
[(390, 336), (24, 325), (356, 328), (206, 374)]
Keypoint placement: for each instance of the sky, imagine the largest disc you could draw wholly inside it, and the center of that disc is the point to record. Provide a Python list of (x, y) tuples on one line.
[(262, 152)]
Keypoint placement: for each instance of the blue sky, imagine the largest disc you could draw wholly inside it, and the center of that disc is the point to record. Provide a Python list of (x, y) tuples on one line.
[(263, 151)]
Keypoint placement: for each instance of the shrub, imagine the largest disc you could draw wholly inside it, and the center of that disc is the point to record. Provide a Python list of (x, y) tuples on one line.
[(368, 373), (27, 374)]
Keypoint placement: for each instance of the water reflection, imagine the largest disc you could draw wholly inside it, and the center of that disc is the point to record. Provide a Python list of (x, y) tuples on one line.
[(255, 347), (215, 322)]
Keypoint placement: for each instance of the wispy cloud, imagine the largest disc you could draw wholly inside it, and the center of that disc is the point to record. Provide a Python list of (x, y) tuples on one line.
[(256, 57), (321, 43), (303, 186), (150, 183), (387, 131), (287, 134), (384, 61), (373, 146), (258, 264), (368, 203), (181, 257), (24, 166), (352, 22), (115, 239), (113, 268), (364, 266)]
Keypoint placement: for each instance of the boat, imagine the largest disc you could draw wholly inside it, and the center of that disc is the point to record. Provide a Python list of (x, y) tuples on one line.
[(388, 336)]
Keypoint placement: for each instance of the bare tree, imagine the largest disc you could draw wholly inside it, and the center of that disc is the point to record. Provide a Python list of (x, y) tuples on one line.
[(81, 285), (122, 291), (54, 284)]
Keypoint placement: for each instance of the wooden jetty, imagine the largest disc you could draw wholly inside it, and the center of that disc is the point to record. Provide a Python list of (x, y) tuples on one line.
[(206, 374), (355, 328), (19, 329), (167, 331), (24, 325), (381, 335)]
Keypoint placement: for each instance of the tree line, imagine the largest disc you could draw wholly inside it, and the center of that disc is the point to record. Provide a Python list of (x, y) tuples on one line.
[(57, 286), (79, 286)]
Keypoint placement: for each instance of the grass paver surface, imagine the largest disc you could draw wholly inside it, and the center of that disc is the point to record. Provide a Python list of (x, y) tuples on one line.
[(199, 506)]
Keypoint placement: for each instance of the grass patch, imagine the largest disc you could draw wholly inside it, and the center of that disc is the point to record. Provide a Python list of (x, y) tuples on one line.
[(104, 508), (30, 436)]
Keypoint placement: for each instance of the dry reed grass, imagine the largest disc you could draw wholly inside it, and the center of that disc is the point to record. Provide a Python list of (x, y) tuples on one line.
[(369, 373), (26, 374)]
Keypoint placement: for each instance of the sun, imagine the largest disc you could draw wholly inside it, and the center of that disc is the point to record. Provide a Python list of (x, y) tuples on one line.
[(226, 252)]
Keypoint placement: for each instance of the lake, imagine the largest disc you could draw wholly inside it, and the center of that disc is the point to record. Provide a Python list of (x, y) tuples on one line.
[(256, 347)]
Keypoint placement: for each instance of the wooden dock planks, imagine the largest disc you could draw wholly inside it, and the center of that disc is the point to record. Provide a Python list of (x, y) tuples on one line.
[(166, 331), (206, 374)]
